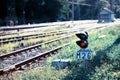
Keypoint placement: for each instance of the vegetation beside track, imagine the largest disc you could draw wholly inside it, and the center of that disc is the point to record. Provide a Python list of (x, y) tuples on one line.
[(11, 46), (32, 32), (104, 66)]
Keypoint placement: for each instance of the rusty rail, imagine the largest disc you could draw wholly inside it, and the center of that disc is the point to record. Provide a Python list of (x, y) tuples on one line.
[(26, 37), (18, 27), (38, 45), (32, 47), (18, 66)]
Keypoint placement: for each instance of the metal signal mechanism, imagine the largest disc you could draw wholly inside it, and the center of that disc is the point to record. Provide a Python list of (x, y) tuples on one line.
[(84, 54), (83, 43)]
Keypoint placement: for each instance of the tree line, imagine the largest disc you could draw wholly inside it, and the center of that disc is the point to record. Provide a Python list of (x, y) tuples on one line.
[(37, 11)]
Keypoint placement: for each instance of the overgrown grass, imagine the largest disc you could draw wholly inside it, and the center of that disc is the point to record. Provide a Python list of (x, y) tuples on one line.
[(21, 34), (105, 64), (50, 28), (11, 46)]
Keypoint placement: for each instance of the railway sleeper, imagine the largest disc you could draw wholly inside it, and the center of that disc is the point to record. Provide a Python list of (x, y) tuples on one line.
[(7, 70)]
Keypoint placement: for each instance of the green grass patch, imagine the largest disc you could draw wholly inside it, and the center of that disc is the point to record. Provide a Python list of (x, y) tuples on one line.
[(11, 46), (50, 28), (105, 64)]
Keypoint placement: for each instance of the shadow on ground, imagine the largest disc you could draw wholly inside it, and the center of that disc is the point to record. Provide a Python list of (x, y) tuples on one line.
[(77, 72)]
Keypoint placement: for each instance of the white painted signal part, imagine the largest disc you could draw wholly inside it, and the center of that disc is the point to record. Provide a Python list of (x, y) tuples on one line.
[(84, 54)]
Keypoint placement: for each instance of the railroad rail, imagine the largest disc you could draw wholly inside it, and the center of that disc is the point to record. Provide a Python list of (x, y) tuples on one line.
[(27, 62), (26, 37), (32, 47), (32, 36), (44, 25), (24, 54), (7, 30)]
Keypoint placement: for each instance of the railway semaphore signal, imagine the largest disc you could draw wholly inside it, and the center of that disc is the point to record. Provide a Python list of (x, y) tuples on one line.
[(83, 43), (84, 53)]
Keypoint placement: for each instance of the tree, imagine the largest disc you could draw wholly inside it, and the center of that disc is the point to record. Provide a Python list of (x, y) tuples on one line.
[(52, 9), (42, 10), (99, 5), (20, 10), (65, 11)]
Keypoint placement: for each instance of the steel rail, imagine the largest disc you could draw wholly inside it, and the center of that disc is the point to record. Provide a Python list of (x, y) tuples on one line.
[(11, 68), (28, 26), (43, 25), (30, 35), (33, 36), (26, 37), (18, 66), (47, 42), (32, 47), (56, 24), (98, 27)]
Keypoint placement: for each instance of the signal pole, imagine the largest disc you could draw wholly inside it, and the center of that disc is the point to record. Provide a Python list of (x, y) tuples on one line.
[(111, 5), (72, 11), (84, 54), (11, 18), (78, 11)]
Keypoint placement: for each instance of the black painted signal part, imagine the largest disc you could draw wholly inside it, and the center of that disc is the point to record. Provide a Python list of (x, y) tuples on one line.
[(83, 43)]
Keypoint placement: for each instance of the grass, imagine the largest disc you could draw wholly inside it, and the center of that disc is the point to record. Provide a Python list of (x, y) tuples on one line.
[(11, 46), (50, 28), (104, 65), (21, 34)]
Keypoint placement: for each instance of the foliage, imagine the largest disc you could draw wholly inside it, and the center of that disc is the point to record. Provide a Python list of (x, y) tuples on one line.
[(102, 4), (36, 11), (104, 66), (43, 10), (12, 46)]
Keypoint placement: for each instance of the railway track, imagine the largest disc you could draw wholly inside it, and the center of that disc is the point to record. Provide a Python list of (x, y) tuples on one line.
[(33, 36), (30, 61), (26, 37), (25, 57), (14, 60), (18, 38), (15, 29)]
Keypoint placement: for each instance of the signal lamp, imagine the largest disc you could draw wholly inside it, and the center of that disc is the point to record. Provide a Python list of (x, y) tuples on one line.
[(83, 43)]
